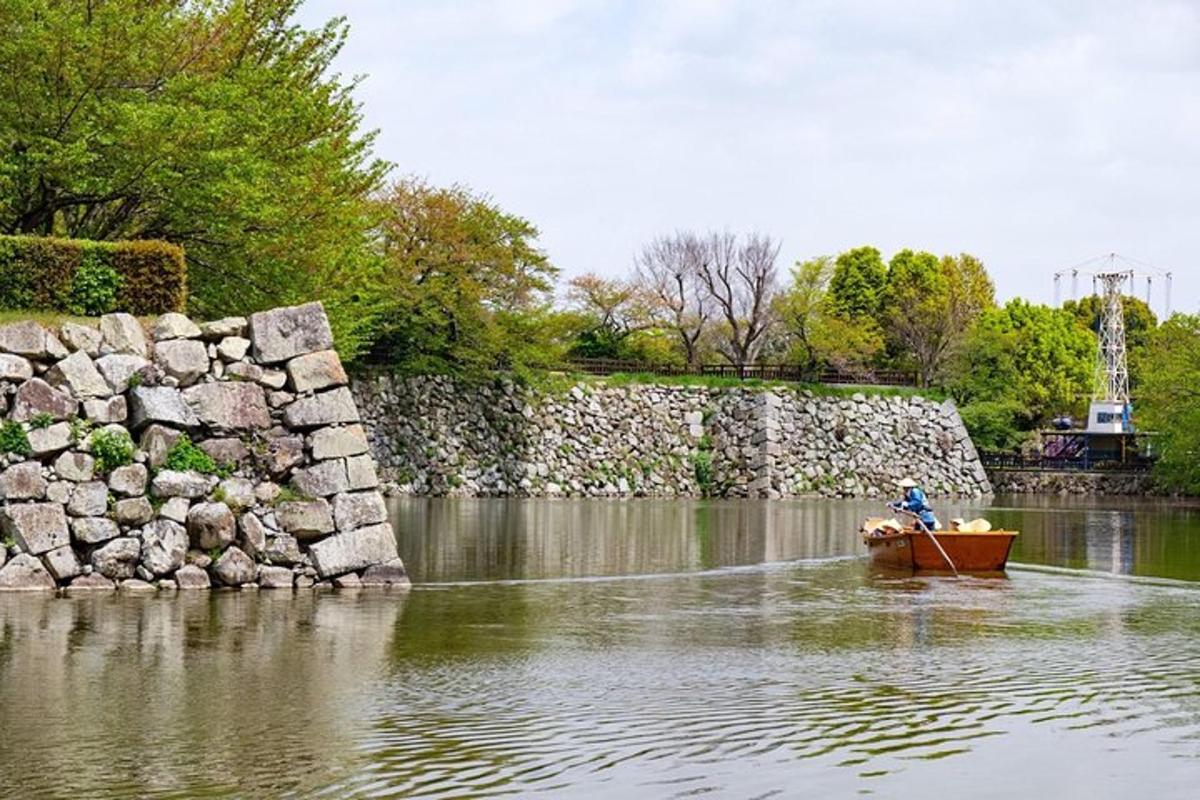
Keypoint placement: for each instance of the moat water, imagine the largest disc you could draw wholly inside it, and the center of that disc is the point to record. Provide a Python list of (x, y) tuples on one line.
[(637, 649)]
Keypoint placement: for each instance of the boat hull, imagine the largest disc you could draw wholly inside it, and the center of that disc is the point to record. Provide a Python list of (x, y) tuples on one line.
[(970, 552)]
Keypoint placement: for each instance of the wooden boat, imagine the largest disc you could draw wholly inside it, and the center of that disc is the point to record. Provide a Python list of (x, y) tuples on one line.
[(912, 549)]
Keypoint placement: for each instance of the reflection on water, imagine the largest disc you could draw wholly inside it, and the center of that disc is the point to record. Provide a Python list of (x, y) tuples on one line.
[(634, 649), (473, 540)]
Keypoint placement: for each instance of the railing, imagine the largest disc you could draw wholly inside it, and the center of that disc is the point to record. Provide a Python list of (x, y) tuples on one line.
[(1080, 463), (765, 372)]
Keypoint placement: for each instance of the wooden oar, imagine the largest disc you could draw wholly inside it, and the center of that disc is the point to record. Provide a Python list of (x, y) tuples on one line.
[(932, 538)]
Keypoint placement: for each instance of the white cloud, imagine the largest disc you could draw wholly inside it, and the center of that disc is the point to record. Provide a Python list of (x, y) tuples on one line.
[(1034, 134)]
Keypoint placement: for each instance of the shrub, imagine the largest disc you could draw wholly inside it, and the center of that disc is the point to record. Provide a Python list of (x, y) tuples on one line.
[(111, 448), (13, 438), (187, 457), (994, 424), (94, 288), (42, 419), (82, 276)]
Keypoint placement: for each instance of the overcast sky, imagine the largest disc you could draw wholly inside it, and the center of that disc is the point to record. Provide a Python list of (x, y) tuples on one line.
[(1032, 134)]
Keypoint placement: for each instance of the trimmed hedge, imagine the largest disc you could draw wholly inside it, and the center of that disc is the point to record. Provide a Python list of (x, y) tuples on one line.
[(41, 273)]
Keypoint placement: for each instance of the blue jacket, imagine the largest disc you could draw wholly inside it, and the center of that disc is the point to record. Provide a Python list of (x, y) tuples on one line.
[(914, 501)]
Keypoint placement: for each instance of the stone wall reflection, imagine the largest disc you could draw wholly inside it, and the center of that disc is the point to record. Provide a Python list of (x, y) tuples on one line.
[(187, 691)]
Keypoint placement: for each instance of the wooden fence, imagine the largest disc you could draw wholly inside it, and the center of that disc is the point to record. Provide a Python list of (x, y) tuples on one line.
[(765, 372)]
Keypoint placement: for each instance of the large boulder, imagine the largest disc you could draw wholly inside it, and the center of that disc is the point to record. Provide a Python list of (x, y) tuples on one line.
[(226, 450), (62, 563), (78, 373), (107, 411), (161, 404), (358, 509), (350, 552), (191, 577), (283, 549), (233, 348), (221, 328), (35, 397), (36, 527), (280, 454), (327, 443), (75, 466), (50, 440), (211, 525), (173, 483), (93, 530), (133, 511), (235, 568), (314, 371), (174, 325), (230, 405), (81, 337), (252, 535), (333, 407), (157, 440), (122, 333), (305, 519), (323, 479), (183, 359), (274, 577), (360, 472), (119, 368), (24, 572), (31, 340), (89, 499), (15, 368), (164, 546), (118, 559), (283, 333), (129, 480), (92, 582), (23, 481)]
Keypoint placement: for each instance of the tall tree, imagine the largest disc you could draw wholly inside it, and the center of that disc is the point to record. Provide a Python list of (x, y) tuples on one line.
[(1169, 401), (614, 309), (857, 284), (1037, 356), (215, 124), (458, 278), (669, 267), (931, 304), (740, 277)]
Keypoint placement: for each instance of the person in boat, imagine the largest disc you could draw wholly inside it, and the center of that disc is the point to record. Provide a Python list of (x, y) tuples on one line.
[(915, 502)]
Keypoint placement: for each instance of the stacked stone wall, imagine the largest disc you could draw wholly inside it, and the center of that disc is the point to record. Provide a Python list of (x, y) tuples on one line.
[(272, 487), (1071, 482), (437, 436)]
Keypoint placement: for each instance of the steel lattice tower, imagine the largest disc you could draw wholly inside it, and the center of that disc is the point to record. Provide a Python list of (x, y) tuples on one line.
[(1112, 371)]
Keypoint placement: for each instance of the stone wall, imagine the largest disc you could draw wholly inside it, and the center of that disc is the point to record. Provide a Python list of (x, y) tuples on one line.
[(432, 435), (1018, 481), (172, 455)]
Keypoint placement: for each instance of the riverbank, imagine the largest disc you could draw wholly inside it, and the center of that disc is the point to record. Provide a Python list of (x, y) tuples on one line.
[(438, 436)]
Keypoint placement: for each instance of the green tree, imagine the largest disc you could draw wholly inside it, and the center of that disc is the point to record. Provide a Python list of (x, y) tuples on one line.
[(930, 304), (215, 124), (1169, 401), (1036, 357), (462, 288), (858, 281), (817, 335)]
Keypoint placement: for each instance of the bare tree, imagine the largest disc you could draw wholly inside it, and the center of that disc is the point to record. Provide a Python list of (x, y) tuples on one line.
[(669, 267), (739, 277)]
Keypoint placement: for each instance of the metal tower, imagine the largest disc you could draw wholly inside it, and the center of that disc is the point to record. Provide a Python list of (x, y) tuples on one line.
[(1112, 371)]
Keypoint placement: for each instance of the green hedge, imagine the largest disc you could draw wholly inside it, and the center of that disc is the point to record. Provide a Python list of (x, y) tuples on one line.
[(85, 277)]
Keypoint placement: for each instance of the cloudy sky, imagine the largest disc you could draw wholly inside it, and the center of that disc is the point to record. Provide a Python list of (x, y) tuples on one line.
[(1033, 134)]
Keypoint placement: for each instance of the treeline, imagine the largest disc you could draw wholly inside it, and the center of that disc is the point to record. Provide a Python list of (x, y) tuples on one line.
[(221, 126)]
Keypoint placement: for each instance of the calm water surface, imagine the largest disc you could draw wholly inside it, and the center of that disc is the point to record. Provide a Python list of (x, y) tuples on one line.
[(637, 649)]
